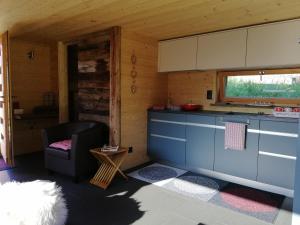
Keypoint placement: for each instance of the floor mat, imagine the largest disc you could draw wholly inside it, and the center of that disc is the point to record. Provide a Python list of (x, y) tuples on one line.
[(252, 202), (157, 174), (260, 204)]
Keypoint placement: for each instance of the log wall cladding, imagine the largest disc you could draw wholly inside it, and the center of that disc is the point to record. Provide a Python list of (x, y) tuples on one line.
[(93, 100)]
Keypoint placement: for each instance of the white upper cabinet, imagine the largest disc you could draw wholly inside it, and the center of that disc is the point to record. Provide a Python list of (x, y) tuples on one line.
[(222, 50), (274, 45), (178, 54)]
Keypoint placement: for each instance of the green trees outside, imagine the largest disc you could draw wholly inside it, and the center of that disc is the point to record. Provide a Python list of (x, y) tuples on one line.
[(238, 88)]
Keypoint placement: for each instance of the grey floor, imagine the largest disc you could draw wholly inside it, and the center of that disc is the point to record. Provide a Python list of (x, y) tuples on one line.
[(133, 202)]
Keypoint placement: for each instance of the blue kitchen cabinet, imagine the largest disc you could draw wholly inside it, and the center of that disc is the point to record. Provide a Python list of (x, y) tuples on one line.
[(200, 135), (166, 137), (196, 142), (277, 153), (240, 163), (165, 149)]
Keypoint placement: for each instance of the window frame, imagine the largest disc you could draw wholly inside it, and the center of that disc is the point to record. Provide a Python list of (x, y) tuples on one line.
[(222, 75)]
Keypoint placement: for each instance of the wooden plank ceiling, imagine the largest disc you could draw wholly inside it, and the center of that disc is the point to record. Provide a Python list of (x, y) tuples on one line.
[(160, 19)]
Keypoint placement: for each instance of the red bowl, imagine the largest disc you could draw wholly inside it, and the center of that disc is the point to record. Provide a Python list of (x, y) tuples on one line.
[(190, 107)]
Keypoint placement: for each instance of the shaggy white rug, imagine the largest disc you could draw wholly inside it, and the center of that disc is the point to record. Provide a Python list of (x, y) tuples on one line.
[(32, 203)]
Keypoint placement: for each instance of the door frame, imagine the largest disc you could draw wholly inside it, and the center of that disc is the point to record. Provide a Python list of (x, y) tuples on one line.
[(8, 103), (115, 80)]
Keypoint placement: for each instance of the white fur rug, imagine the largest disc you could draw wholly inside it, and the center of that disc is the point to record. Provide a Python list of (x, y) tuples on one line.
[(32, 203)]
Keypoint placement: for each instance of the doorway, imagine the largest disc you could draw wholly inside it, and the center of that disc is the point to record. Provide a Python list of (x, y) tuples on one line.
[(89, 79)]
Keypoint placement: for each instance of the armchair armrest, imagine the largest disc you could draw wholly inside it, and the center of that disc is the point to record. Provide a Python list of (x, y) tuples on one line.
[(90, 138), (85, 140)]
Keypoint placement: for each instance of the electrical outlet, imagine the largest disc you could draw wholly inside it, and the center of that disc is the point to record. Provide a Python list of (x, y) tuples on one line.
[(130, 149)]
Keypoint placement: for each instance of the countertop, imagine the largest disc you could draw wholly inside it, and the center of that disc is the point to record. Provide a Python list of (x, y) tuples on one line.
[(235, 115)]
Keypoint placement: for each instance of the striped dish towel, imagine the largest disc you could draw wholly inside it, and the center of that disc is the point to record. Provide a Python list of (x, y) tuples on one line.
[(235, 136)]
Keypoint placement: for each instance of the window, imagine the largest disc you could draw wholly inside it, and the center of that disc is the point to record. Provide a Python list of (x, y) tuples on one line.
[(263, 86)]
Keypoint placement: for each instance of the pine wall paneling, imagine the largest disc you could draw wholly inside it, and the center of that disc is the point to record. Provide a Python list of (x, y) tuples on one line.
[(30, 80), (151, 89)]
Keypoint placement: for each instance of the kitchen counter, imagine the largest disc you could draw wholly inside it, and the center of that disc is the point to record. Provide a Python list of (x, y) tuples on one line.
[(234, 115)]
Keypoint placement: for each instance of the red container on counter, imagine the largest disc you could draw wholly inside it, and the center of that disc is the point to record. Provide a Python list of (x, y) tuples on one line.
[(191, 107)]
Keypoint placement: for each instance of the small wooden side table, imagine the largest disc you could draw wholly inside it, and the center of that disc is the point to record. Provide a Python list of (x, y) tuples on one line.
[(110, 165)]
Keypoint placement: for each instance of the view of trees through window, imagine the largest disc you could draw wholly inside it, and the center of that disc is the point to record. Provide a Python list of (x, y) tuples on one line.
[(263, 86)]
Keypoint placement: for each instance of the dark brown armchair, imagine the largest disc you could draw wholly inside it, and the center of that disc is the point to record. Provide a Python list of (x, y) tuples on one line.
[(76, 162)]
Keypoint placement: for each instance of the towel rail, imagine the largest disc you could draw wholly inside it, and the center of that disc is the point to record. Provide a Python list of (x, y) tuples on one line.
[(246, 123)]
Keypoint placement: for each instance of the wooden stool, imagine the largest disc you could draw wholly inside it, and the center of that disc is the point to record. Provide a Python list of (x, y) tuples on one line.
[(110, 165)]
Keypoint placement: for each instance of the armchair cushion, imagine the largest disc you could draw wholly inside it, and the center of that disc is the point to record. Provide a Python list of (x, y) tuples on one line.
[(64, 144), (58, 153)]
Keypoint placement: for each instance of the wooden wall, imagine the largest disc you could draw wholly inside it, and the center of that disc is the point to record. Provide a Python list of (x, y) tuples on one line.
[(32, 78), (94, 79), (186, 87), (151, 89)]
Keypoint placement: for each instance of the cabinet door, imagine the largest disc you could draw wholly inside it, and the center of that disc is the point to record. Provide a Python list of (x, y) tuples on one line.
[(200, 134), (276, 171), (222, 50), (166, 137), (274, 45), (234, 162), (177, 55), (277, 153), (167, 149)]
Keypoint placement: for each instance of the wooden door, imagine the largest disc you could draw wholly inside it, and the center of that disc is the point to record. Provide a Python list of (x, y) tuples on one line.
[(5, 124)]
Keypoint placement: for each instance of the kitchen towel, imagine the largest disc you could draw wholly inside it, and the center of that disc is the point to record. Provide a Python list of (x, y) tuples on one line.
[(235, 136)]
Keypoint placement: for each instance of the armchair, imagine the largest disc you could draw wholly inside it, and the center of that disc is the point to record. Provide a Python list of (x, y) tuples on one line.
[(77, 161)]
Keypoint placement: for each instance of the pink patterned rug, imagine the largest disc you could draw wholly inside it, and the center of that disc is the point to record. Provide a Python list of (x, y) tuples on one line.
[(260, 204), (249, 200)]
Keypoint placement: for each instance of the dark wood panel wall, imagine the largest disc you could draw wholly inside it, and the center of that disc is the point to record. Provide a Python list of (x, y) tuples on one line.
[(93, 98), (97, 79)]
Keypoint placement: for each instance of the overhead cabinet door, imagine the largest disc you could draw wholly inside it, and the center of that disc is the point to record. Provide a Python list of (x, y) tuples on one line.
[(177, 55), (222, 50), (274, 45)]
